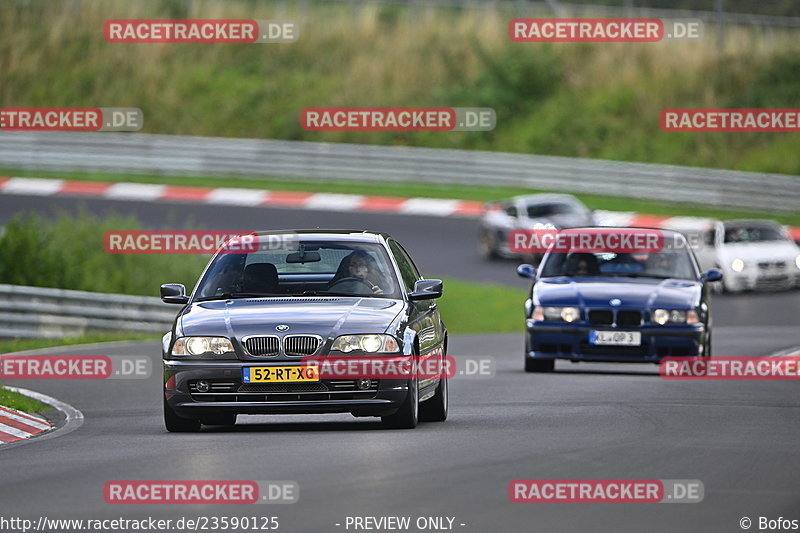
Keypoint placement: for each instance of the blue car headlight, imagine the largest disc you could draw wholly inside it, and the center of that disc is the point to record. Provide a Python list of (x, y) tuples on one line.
[(674, 316), (566, 314)]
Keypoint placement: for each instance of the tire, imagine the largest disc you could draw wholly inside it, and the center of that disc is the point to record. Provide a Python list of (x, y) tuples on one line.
[(435, 409), (486, 246), (707, 349), (407, 416), (539, 365), (177, 424)]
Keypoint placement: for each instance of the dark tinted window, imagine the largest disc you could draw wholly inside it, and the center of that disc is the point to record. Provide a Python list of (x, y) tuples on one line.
[(408, 271), (752, 234), (548, 210)]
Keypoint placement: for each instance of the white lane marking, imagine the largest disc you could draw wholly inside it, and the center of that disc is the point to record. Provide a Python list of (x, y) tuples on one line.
[(334, 202), (429, 206), (233, 196), (135, 191), (33, 186), (38, 424), (14, 432)]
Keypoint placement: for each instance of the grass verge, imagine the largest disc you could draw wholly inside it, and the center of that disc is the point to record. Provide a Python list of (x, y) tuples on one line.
[(15, 400), (414, 189), (475, 308)]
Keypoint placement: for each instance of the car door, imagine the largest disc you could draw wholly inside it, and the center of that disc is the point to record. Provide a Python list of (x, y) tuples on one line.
[(424, 317)]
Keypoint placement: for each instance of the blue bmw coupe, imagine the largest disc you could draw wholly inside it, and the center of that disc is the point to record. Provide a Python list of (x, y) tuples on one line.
[(617, 306)]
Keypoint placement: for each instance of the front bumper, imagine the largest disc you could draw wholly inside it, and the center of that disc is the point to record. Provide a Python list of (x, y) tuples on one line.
[(228, 394), (571, 342), (753, 279)]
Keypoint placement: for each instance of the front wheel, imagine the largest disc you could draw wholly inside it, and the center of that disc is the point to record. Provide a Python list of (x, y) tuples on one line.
[(408, 415), (435, 409), (486, 246), (539, 365), (177, 424)]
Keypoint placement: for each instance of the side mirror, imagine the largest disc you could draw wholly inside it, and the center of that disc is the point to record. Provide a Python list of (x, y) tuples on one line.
[(174, 293), (526, 271), (712, 275), (426, 289)]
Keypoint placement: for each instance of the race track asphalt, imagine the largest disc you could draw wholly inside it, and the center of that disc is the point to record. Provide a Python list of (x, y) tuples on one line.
[(585, 421)]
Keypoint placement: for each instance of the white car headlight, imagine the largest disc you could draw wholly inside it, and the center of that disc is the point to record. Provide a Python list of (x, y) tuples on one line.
[(674, 316), (737, 265), (366, 343), (202, 345), (797, 261), (567, 314)]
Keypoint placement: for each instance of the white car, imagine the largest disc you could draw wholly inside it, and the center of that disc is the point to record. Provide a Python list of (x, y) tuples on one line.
[(752, 254)]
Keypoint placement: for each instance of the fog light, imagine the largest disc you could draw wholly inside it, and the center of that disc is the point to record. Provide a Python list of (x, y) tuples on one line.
[(203, 386), (364, 384)]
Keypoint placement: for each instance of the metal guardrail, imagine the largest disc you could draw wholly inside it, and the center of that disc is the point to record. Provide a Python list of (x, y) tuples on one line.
[(254, 158), (37, 312)]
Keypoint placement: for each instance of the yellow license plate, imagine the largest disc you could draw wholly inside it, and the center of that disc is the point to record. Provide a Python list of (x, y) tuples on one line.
[(279, 374)]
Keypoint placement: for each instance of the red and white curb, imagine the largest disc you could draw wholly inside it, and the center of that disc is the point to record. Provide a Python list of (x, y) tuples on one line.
[(302, 200), (17, 425), (36, 426)]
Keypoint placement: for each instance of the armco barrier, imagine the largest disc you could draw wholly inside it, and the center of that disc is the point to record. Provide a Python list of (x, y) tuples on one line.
[(253, 158), (37, 312)]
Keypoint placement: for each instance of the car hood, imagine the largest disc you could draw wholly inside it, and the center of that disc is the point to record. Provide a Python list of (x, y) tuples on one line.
[(328, 316), (636, 293)]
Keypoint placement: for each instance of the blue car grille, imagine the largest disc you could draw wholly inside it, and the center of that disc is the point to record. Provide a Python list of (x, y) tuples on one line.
[(608, 317)]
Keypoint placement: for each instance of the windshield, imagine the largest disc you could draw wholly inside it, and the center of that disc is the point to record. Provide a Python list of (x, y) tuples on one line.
[(550, 209), (309, 268), (662, 265), (752, 234)]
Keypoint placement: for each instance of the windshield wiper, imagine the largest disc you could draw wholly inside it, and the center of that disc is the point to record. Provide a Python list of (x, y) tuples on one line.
[(325, 293)]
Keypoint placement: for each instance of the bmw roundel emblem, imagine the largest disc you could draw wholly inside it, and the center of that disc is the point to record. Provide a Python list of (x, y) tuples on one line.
[(282, 327), (615, 302)]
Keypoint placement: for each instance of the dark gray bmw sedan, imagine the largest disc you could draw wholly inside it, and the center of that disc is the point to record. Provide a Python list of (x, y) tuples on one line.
[(251, 337)]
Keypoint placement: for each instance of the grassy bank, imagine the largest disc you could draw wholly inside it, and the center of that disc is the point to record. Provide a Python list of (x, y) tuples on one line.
[(588, 100)]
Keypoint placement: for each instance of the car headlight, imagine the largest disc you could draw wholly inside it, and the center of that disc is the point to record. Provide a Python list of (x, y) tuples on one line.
[(201, 345), (674, 316), (737, 265), (366, 343), (567, 314), (797, 261)]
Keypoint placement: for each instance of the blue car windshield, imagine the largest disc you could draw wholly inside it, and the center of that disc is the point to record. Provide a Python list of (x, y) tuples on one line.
[(662, 265), (307, 269)]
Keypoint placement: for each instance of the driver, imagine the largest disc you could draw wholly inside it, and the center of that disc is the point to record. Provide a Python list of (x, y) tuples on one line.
[(361, 266)]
